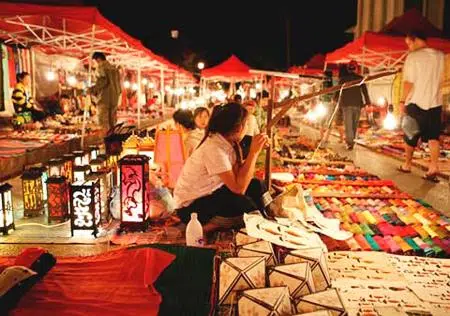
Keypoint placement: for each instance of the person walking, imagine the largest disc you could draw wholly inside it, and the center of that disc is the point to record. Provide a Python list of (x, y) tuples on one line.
[(351, 101), (108, 89), (423, 74)]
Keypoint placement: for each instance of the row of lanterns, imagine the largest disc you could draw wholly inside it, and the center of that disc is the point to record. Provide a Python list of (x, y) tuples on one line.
[(78, 187)]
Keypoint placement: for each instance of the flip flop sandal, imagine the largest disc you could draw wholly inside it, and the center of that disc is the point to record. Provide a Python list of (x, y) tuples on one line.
[(400, 168), (431, 177)]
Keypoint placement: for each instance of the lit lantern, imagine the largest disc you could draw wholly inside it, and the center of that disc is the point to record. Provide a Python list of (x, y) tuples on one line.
[(33, 201), (104, 176), (85, 206), (147, 148), (130, 146), (96, 165), (44, 176), (56, 167), (134, 190), (68, 166), (80, 173), (94, 151), (6, 209), (58, 198), (112, 163), (79, 158)]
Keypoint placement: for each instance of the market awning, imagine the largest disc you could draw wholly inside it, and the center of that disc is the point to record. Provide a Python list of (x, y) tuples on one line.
[(75, 31), (411, 20), (232, 69)]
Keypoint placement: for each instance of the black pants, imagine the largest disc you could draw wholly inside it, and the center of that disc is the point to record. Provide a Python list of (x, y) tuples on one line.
[(429, 122), (225, 203)]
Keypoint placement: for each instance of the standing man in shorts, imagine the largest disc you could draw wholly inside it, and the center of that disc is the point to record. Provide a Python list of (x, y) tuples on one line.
[(423, 73)]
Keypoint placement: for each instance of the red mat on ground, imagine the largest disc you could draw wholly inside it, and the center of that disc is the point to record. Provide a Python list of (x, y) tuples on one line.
[(114, 283)]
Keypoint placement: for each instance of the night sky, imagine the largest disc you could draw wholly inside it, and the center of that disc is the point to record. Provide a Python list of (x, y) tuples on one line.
[(255, 32)]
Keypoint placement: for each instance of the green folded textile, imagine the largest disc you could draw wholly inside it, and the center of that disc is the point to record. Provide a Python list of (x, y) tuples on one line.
[(186, 284), (366, 229), (412, 243), (373, 244)]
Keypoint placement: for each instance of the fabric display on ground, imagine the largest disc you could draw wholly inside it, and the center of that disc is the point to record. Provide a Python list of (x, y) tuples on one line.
[(379, 216), (313, 281), (11, 148)]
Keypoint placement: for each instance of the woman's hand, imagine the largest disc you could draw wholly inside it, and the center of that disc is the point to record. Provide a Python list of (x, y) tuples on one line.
[(258, 143)]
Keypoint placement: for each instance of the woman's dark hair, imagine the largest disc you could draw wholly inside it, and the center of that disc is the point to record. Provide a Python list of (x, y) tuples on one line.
[(198, 111), (21, 75), (185, 118), (98, 55), (343, 71), (225, 120)]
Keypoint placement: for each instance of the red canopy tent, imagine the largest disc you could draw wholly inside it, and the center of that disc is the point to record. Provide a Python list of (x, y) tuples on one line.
[(75, 31), (380, 50), (232, 69)]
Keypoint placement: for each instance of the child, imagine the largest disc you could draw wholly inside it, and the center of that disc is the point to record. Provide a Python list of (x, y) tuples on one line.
[(195, 136), (215, 182)]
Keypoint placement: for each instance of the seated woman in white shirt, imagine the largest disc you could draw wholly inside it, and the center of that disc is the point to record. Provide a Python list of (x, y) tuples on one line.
[(195, 136), (215, 182)]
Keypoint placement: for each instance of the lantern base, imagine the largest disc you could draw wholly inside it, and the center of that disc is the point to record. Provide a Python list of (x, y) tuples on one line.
[(33, 213), (5, 230), (57, 219), (133, 227), (93, 232)]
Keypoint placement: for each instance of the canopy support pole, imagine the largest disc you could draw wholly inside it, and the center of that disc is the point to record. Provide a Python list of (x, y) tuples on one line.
[(85, 110), (162, 88), (268, 165), (139, 90)]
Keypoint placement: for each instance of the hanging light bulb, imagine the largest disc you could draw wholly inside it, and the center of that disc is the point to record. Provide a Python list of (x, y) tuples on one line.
[(381, 101), (72, 80), (258, 86), (253, 93), (126, 84), (168, 89), (134, 87), (151, 85), (50, 75), (144, 81)]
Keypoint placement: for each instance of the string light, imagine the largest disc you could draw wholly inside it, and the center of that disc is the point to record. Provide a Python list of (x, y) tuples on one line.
[(126, 84), (144, 81), (72, 80), (135, 87), (151, 85), (50, 75)]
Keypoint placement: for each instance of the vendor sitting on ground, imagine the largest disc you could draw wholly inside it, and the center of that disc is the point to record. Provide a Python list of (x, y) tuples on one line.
[(195, 136), (22, 100), (215, 181)]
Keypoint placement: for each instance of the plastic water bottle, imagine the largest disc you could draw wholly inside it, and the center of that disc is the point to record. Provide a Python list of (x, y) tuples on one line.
[(194, 232)]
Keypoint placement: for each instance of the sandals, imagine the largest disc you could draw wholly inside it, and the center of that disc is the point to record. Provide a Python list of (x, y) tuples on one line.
[(431, 177), (401, 169)]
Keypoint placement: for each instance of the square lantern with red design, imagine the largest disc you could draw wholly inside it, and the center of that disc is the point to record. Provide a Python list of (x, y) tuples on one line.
[(33, 196), (85, 206), (68, 166), (58, 198), (134, 192), (6, 209)]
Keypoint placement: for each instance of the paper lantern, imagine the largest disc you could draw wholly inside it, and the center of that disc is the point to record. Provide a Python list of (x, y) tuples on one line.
[(328, 300), (43, 171), (56, 167), (80, 173), (68, 166), (96, 165), (259, 248), (130, 146), (79, 158), (104, 176), (237, 274), (94, 151), (297, 277), (112, 163), (58, 198), (6, 209), (85, 206), (318, 262), (134, 190), (33, 201), (268, 301)]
